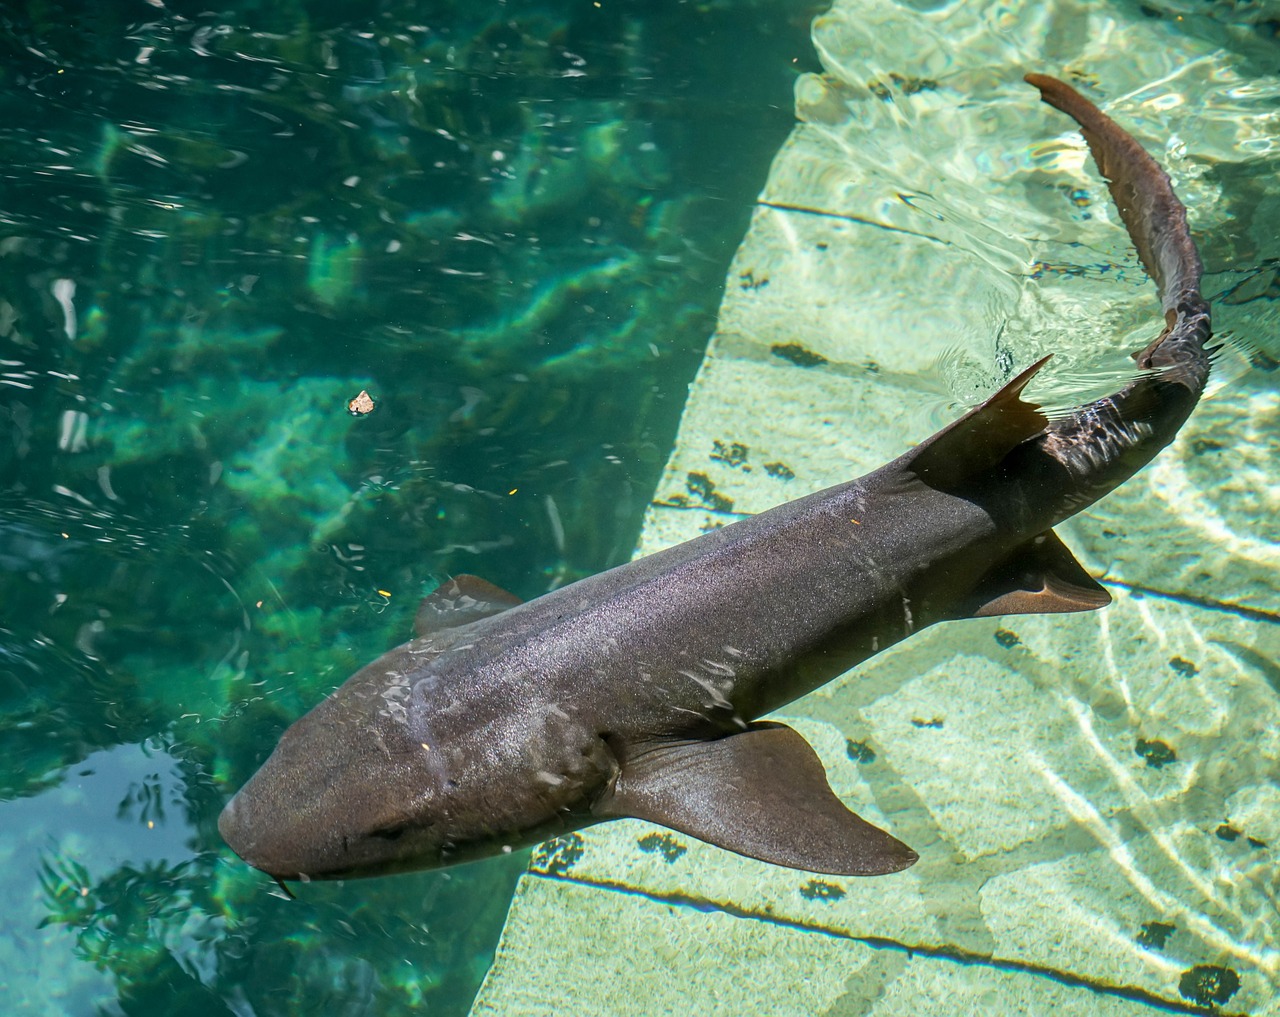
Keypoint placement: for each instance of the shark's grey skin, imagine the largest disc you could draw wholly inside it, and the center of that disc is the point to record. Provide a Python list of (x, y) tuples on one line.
[(635, 692)]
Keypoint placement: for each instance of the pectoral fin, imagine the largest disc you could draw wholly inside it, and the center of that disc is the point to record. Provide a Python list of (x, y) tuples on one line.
[(762, 793), (460, 601), (1040, 577)]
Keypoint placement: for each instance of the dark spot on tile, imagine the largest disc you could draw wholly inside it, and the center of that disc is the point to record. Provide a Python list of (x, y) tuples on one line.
[(1253, 842), (734, 453), (1156, 753), (1227, 832), (1110, 534), (558, 855), (1183, 667), (797, 354), (1083, 79), (908, 85), (702, 486), (1154, 935), (933, 722), (822, 246), (748, 281), (780, 470), (860, 752), (1202, 445), (819, 889), (1208, 983), (1007, 639), (663, 844)]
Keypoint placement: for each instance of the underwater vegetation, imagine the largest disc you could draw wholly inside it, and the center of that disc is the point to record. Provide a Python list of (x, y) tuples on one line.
[(509, 225)]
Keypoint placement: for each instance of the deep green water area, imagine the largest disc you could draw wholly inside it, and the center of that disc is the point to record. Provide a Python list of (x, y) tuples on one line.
[(510, 224)]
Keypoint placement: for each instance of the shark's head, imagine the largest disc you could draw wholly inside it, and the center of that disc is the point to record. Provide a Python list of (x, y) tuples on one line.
[(349, 790), (408, 766)]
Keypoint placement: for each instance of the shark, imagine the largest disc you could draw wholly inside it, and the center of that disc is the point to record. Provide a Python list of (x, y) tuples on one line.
[(638, 692)]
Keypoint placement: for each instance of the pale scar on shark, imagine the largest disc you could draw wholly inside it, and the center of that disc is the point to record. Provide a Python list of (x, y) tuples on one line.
[(636, 692)]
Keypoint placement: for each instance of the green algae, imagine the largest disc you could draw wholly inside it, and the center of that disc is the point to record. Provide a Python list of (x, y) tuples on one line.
[(334, 269)]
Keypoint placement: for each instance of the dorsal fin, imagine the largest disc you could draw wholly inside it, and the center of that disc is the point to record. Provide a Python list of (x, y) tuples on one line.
[(981, 438), (461, 601)]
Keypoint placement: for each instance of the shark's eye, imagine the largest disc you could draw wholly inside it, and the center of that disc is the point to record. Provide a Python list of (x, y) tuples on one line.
[(393, 832)]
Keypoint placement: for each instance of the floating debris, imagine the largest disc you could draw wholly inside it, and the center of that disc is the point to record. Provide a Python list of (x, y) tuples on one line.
[(362, 405)]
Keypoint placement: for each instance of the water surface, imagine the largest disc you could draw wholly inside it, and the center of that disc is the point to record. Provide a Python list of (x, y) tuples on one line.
[(510, 225)]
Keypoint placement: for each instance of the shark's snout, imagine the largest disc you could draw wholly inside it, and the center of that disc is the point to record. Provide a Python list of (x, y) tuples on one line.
[(277, 836), (330, 801), (228, 826), (243, 832), (233, 830)]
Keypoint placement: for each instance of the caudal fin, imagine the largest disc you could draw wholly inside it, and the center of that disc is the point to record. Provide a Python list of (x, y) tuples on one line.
[(1157, 225), (1155, 218)]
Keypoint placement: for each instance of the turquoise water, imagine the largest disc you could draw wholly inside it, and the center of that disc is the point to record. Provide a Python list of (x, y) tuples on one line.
[(510, 225)]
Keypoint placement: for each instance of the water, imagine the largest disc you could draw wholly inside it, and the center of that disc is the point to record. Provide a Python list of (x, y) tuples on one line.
[(510, 224)]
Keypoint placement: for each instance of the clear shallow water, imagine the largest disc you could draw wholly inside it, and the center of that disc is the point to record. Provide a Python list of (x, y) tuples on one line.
[(1093, 796), (511, 225), (220, 228)]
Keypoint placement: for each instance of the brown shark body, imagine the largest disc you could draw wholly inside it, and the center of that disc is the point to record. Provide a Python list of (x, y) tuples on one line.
[(635, 692)]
